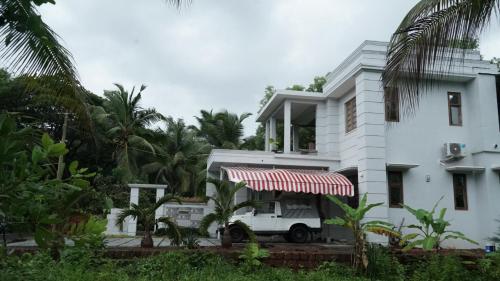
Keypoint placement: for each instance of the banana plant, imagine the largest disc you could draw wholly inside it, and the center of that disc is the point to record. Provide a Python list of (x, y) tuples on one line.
[(432, 231), (353, 219)]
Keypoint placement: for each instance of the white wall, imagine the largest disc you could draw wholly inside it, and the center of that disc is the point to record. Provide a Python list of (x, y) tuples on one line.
[(348, 142), (419, 140)]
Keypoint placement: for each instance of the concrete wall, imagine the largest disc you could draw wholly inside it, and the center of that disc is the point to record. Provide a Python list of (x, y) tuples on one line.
[(348, 142), (419, 139)]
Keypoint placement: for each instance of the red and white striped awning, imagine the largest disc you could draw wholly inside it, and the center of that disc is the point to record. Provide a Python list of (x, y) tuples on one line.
[(308, 181)]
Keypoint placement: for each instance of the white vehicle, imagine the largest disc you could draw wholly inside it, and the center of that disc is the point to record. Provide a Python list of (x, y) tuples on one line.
[(294, 219)]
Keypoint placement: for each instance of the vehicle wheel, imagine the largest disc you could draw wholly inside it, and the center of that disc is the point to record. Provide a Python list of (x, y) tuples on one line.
[(237, 234), (299, 234)]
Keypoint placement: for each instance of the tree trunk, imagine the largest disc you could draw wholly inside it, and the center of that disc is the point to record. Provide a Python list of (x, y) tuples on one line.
[(147, 240), (60, 162), (226, 238)]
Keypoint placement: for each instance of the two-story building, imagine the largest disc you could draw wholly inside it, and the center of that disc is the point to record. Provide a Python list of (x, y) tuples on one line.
[(449, 148)]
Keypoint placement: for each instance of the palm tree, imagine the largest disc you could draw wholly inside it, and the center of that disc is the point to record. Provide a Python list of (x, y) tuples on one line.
[(30, 45), (146, 215), (427, 32), (222, 129), (180, 159), (126, 125), (224, 209)]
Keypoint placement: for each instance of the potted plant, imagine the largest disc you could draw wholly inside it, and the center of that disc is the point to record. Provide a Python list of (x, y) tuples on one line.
[(274, 144)]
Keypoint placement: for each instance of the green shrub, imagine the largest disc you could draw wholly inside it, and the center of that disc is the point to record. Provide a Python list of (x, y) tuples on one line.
[(382, 265), (442, 268), (489, 267), (252, 256)]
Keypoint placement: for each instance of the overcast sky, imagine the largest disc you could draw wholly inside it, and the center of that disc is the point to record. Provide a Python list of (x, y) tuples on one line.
[(216, 54)]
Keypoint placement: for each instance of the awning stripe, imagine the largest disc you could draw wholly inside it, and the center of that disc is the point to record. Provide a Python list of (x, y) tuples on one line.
[(290, 180)]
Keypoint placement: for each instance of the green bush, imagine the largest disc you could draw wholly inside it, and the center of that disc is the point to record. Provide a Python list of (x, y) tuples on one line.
[(382, 265), (203, 265), (442, 268), (490, 266)]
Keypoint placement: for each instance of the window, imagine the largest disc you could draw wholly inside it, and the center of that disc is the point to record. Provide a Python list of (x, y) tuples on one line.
[(265, 208), (350, 115), (455, 109), (391, 104), (395, 183), (497, 79), (460, 191)]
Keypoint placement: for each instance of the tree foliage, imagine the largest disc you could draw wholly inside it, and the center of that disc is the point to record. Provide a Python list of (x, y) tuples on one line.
[(354, 219), (221, 129), (432, 231), (180, 160), (147, 216), (125, 124), (430, 31), (223, 199)]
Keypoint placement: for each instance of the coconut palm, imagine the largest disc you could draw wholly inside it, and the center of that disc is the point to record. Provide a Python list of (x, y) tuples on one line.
[(147, 215), (125, 123), (180, 159), (426, 33), (30, 45), (222, 129), (225, 208)]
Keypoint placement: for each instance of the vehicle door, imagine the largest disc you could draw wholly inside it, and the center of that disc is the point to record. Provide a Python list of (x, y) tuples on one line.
[(264, 219)]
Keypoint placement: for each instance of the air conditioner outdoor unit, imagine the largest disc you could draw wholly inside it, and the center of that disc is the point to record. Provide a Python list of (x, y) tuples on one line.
[(453, 150)]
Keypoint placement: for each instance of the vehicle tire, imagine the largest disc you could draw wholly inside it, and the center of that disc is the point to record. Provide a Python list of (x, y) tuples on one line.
[(299, 234), (237, 234)]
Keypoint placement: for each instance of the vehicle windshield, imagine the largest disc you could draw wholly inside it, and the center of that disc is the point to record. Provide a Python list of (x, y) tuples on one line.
[(266, 208)]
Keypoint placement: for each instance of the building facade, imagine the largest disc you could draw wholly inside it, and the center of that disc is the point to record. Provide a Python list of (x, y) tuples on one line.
[(449, 148)]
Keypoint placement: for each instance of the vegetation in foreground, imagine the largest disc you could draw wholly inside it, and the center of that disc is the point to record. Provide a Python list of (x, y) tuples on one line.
[(75, 265)]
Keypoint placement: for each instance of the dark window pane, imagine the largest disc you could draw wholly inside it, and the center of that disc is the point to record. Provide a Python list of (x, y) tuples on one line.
[(454, 98), (455, 109), (460, 191), (391, 105), (395, 183)]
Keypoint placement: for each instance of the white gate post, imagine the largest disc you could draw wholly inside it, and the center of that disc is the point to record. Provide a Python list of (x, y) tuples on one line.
[(132, 223), (160, 192)]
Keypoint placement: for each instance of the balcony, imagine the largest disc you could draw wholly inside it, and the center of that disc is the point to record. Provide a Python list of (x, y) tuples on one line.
[(290, 122)]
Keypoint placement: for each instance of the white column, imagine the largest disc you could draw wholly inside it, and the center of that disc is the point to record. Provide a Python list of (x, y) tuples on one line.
[(267, 135), (286, 124), (295, 140), (160, 192), (272, 129), (132, 223), (210, 191), (370, 121)]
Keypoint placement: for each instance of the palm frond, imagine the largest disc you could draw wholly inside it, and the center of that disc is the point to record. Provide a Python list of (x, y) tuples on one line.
[(419, 50), (206, 222), (172, 230), (166, 199), (31, 46), (126, 213), (251, 235)]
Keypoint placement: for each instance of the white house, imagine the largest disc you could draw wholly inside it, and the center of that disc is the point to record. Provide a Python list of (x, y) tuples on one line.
[(450, 147)]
